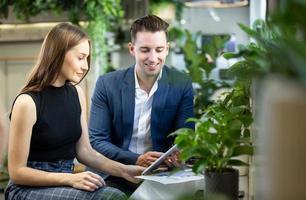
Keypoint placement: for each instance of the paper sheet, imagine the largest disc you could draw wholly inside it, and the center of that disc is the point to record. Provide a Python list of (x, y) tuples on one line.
[(173, 177)]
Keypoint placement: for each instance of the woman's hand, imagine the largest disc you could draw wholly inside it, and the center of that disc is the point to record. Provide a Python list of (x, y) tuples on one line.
[(86, 181), (130, 171)]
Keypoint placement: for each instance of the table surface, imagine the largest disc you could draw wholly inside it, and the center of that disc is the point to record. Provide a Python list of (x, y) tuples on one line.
[(151, 190)]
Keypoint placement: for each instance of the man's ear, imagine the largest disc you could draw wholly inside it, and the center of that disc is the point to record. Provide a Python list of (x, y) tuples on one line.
[(168, 47), (131, 48)]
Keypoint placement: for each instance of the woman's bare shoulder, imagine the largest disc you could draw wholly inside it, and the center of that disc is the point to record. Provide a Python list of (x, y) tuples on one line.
[(24, 104)]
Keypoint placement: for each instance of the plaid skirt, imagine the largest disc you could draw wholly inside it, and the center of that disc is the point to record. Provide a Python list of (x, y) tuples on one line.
[(19, 192)]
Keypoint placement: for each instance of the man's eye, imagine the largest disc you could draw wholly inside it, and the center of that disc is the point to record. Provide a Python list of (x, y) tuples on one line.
[(159, 50)]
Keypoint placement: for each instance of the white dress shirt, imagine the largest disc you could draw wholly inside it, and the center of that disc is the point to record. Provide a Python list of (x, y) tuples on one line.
[(141, 141)]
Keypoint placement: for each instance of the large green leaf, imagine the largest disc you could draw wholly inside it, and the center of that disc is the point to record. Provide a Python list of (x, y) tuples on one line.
[(248, 30), (235, 162)]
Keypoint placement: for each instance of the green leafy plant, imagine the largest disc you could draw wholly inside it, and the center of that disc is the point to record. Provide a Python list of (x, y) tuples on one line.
[(222, 127), (278, 47), (104, 15), (221, 134), (200, 61)]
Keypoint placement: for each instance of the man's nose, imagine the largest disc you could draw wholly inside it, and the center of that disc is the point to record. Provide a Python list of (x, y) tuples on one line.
[(152, 56)]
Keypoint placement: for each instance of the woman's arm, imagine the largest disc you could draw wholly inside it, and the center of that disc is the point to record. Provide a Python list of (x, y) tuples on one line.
[(22, 121), (88, 156)]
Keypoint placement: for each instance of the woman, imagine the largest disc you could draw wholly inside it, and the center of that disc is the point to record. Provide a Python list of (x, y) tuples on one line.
[(48, 128)]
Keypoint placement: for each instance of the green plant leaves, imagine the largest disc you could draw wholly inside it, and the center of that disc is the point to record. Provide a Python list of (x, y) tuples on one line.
[(221, 133), (4, 8), (199, 166), (235, 162), (247, 30), (200, 60), (280, 44), (243, 150), (100, 16)]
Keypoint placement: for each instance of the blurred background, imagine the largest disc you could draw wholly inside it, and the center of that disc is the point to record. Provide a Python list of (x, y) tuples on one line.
[(23, 28), (257, 46)]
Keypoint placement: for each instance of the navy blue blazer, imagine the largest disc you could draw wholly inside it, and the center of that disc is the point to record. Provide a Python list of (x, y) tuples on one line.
[(112, 112)]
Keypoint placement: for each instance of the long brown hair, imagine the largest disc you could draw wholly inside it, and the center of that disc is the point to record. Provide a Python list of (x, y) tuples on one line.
[(57, 42)]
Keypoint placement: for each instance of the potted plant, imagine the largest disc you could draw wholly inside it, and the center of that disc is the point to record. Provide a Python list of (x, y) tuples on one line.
[(221, 134), (279, 49), (278, 54)]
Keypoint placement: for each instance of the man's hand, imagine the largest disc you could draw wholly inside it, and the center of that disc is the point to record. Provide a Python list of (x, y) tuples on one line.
[(174, 160), (148, 158)]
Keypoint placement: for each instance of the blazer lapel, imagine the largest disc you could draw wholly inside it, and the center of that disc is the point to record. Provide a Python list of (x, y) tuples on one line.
[(160, 96), (128, 104)]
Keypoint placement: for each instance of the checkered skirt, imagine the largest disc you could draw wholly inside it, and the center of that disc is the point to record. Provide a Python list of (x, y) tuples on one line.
[(18, 192)]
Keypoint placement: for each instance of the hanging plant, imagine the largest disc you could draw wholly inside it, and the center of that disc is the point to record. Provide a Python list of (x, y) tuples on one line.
[(103, 15), (100, 17)]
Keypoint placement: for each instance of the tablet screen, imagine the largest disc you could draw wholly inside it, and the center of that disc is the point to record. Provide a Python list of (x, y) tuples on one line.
[(161, 159)]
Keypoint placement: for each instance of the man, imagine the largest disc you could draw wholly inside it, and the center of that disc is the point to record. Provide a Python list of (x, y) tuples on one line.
[(134, 110)]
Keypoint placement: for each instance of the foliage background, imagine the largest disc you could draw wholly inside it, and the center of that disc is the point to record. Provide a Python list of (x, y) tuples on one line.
[(100, 16)]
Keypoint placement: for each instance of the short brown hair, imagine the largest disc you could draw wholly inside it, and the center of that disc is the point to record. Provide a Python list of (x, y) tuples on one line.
[(151, 23)]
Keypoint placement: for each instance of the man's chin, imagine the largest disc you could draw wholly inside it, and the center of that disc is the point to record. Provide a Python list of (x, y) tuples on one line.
[(152, 73)]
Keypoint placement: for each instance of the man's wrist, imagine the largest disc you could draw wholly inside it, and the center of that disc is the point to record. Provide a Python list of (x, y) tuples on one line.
[(137, 159)]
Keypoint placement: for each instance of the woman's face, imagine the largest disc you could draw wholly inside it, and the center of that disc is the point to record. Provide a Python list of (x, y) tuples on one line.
[(75, 63)]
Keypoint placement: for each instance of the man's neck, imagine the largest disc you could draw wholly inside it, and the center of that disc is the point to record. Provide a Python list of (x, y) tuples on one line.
[(146, 83)]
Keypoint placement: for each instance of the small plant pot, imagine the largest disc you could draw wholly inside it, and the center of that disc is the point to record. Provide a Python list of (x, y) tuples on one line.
[(225, 184)]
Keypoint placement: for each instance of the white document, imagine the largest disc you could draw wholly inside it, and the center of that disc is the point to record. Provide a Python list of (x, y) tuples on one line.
[(181, 176)]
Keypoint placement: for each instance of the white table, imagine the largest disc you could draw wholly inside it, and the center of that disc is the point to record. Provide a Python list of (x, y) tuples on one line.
[(153, 190)]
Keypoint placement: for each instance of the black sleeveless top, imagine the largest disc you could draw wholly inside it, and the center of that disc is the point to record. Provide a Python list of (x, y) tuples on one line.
[(58, 125)]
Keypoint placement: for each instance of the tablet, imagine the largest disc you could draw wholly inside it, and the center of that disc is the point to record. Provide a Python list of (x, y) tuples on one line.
[(161, 159)]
